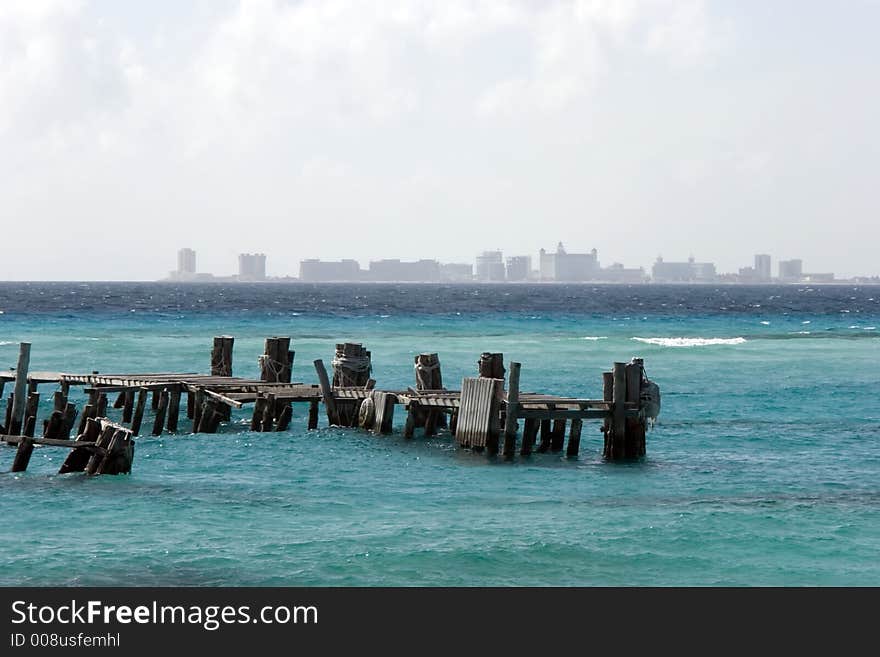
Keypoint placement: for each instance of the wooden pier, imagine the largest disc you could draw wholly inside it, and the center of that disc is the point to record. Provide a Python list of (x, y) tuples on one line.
[(487, 413)]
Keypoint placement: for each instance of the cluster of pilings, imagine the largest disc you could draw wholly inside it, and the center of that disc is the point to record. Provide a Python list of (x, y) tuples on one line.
[(483, 415)]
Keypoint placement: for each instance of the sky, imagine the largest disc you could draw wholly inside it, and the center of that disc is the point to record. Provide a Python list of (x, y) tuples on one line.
[(420, 129)]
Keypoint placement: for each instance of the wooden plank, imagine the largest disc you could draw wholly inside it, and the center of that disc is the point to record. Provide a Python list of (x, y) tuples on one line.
[(512, 407), (223, 399)]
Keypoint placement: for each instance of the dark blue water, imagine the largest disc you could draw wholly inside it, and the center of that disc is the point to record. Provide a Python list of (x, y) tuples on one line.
[(764, 467)]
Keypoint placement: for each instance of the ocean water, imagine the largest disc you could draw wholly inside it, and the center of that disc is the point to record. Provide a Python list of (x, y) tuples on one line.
[(763, 468)]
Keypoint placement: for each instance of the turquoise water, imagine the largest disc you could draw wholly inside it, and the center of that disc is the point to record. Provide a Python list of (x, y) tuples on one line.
[(764, 466)]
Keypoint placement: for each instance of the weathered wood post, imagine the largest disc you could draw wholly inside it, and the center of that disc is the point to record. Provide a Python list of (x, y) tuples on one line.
[(101, 407), (351, 368), (618, 411), (139, 411), (276, 361), (491, 365), (313, 415), (221, 355), (30, 412), (326, 392), (574, 438), (607, 395), (173, 408), (635, 429), (512, 410), (13, 427), (429, 377), (557, 440), (128, 405), (546, 435), (530, 433), (159, 421), (78, 457)]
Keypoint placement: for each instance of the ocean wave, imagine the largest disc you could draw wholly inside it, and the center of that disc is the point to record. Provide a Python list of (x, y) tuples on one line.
[(593, 338), (3, 343), (691, 342)]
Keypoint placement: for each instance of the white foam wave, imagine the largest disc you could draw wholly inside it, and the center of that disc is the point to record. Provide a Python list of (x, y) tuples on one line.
[(3, 343), (690, 342), (593, 338)]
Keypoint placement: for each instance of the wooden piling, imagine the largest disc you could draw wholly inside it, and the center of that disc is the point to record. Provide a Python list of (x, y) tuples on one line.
[(326, 392), (159, 420), (120, 400), (284, 419), (128, 405), (313, 415), (512, 408), (88, 412), (607, 395), (634, 426), (23, 454), (173, 409), (221, 356), (546, 435), (78, 458), (101, 407), (52, 427), (530, 433), (557, 440), (491, 365), (13, 427), (69, 419), (429, 377), (276, 361), (139, 408), (30, 410), (618, 411), (574, 438), (257, 417)]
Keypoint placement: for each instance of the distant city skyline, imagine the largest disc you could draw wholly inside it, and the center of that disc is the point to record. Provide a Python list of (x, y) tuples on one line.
[(558, 265), (342, 130)]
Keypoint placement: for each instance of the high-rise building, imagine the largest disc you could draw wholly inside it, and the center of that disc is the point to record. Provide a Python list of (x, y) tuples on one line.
[(490, 266), (252, 266), (683, 272), (791, 270), (564, 266), (519, 268), (323, 270), (422, 271), (186, 261), (762, 267)]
